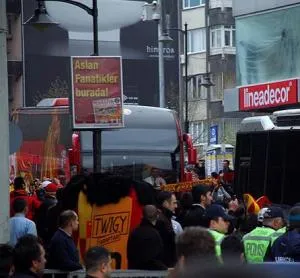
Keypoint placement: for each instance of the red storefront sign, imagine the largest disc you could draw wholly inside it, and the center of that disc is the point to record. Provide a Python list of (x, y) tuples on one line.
[(268, 95), (97, 92)]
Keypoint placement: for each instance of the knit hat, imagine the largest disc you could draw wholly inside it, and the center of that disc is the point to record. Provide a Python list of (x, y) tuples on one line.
[(51, 188), (294, 216)]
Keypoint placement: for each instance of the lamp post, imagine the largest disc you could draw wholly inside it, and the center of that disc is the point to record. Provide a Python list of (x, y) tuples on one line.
[(41, 19), (186, 79)]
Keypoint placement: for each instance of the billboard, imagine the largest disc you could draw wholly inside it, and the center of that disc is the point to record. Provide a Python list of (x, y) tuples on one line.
[(266, 95), (47, 52), (97, 92)]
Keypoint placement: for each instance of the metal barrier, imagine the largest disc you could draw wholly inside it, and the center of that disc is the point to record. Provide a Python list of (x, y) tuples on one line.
[(114, 274)]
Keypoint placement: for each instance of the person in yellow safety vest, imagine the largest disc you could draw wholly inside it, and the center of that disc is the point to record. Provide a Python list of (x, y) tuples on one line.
[(258, 242), (219, 221), (277, 234)]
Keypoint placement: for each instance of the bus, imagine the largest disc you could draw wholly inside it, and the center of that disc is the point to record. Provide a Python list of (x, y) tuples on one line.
[(267, 156), (151, 139)]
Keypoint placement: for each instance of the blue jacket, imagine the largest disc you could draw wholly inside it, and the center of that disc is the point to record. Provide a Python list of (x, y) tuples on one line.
[(63, 254), (286, 248)]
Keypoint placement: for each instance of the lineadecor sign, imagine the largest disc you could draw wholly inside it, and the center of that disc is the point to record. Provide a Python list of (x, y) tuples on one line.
[(268, 95), (97, 92)]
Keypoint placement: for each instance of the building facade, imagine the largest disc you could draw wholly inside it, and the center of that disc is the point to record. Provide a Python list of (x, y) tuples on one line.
[(211, 57), (268, 68), (14, 53), (39, 60)]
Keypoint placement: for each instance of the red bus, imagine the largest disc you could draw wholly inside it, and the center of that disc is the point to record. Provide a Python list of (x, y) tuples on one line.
[(151, 138)]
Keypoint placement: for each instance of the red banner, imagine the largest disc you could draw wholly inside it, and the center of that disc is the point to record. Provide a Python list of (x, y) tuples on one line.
[(254, 97), (97, 92)]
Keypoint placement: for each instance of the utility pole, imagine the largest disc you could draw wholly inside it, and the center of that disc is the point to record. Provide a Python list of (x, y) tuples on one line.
[(161, 67), (207, 68), (4, 134), (186, 57)]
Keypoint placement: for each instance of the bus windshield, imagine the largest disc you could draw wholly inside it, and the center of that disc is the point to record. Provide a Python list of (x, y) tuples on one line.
[(137, 165)]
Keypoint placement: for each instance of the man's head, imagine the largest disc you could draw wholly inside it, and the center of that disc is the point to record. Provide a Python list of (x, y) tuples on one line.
[(232, 250), (20, 206), (68, 220), (273, 217), (97, 261), (150, 213), (226, 163), (195, 243), (19, 183), (294, 217), (218, 218), (29, 254), (6, 260), (202, 195), (167, 200), (155, 172), (51, 189)]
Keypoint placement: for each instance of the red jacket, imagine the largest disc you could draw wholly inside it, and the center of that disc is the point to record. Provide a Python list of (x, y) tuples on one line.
[(33, 202)]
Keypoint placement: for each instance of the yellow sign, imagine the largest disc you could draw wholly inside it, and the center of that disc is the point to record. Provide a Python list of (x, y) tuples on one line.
[(185, 186), (107, 226)]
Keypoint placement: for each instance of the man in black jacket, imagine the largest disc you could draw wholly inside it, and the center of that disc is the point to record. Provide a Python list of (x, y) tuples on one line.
[(167, 204), (145, 246), (202, 197), (63, 254), (29, 257)]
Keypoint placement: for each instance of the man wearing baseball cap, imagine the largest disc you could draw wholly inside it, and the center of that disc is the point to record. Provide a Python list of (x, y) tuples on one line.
[(258, 242), (219, 221), (287, 247)]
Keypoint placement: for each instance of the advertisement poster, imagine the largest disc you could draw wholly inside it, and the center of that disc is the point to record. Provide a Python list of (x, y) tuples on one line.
[(97, 92), (47, 52)]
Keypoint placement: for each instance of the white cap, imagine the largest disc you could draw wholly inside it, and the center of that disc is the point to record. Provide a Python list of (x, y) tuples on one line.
[(45, 183)]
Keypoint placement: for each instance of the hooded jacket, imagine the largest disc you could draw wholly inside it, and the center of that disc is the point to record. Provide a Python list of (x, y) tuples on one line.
[(287, 247), (32, 202)]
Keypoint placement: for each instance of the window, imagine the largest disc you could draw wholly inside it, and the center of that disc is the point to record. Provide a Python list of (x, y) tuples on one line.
[(222, 36), (192, 3), (196, 91), (197, 131), (229, 36), (196, 40)]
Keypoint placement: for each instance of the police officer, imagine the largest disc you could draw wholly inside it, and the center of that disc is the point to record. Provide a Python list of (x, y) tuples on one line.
[(258, 242), (287, 247), (219, 222)]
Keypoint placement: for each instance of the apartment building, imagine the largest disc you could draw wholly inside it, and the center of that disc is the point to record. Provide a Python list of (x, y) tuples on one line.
[(14, 53), (211, 58)]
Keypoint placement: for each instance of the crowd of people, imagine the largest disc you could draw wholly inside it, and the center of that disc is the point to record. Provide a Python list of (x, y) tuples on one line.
[(208, 225)]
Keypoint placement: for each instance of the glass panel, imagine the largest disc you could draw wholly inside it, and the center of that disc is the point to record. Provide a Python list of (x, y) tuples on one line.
[(233, 38), (227, 38), (194, 3), (194, 87), (213, 39), (268, 46), (196, 40), (185, 3), (136, 166), (219, 38), (189, 41)]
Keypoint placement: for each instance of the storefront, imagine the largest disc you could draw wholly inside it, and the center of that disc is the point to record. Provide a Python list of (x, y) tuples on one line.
[(268, 55)]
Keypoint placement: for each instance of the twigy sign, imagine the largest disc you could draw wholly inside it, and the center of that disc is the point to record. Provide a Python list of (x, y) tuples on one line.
[(109, 227)]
